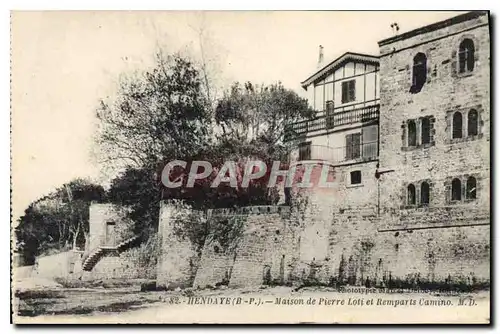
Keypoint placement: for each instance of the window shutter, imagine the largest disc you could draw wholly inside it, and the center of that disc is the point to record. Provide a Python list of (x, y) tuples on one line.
[(348, 147), (356, 145), (329, 114), (370, 137), (344, 92), (353, 146), (352, 90)]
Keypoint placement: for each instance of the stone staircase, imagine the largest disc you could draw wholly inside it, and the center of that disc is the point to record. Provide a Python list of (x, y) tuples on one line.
[(98, 253)]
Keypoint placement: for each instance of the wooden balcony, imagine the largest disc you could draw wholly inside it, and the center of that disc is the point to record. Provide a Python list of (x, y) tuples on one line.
[(336, 119)]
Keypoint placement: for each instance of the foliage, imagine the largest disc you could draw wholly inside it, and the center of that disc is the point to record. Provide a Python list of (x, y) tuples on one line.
[(145, 257), (161, 113), (227, 232), (189, 224), (58, 220), (165, 113), (257, 111), (137, 189)]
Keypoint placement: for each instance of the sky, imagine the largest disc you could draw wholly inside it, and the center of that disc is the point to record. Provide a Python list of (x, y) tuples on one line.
[(62, 63)]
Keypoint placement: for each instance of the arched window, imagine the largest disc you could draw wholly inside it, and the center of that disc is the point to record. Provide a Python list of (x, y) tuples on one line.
[(426, 130), (472, 123), (412, 133), (456, 190), (466, 56), (419, 72), (457, 125), (471, 188), (424, 193), (411, 194)]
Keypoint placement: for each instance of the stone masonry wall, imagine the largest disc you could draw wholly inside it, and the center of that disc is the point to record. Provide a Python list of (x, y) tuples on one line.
[(446, 237), (178, 256), (358, 250), (262, 249), (127, 265), (266, 252), (445, 92), (102, 213)]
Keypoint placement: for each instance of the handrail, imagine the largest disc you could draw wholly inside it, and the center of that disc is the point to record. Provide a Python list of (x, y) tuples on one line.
[(362, 114)]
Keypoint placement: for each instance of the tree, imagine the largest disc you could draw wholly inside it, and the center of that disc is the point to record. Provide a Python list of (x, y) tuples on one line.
[(252, 119), (57, 221), (258, 112), (165, 115), (138, 189), (160, 113)]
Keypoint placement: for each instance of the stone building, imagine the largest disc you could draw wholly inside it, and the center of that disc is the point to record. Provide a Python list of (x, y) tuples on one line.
[(108, 253), (435, 144), (406, 138), (417, 191), (344, 132)]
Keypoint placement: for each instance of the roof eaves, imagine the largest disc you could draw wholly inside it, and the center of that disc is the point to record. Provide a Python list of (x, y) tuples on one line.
[(338, 62)]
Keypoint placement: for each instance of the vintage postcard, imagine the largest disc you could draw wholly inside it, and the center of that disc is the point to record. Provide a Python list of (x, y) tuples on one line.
[(325, 167)]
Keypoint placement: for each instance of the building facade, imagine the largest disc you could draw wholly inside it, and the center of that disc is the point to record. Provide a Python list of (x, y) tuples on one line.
[(435, 145), (435, 119), (428, 182), (406, 136), (344, 132)]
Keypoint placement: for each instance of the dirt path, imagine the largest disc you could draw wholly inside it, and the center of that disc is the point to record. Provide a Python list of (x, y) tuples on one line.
[(282, 305)]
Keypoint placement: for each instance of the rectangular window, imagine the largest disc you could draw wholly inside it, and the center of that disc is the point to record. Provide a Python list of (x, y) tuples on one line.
[(348, 91), (356, 177), (353, 146), (305, 151)]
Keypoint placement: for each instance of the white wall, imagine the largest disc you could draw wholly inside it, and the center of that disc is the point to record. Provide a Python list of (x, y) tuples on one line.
[(330, 88)]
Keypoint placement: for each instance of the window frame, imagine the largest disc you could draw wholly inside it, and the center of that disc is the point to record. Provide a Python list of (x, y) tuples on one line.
[(453, 192), (351, 148), (453, 125), (329, 113), (465, 111), (429, 128), (356, 172), (411, 193), (467, 190), (418, 133), (411, 134), (305, 145), (348, 93), (476, 127), (419, 72), (422, 203), (466, 56)]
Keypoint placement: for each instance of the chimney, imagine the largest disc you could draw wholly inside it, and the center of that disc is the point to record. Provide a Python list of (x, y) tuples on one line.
[(320, 57)]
